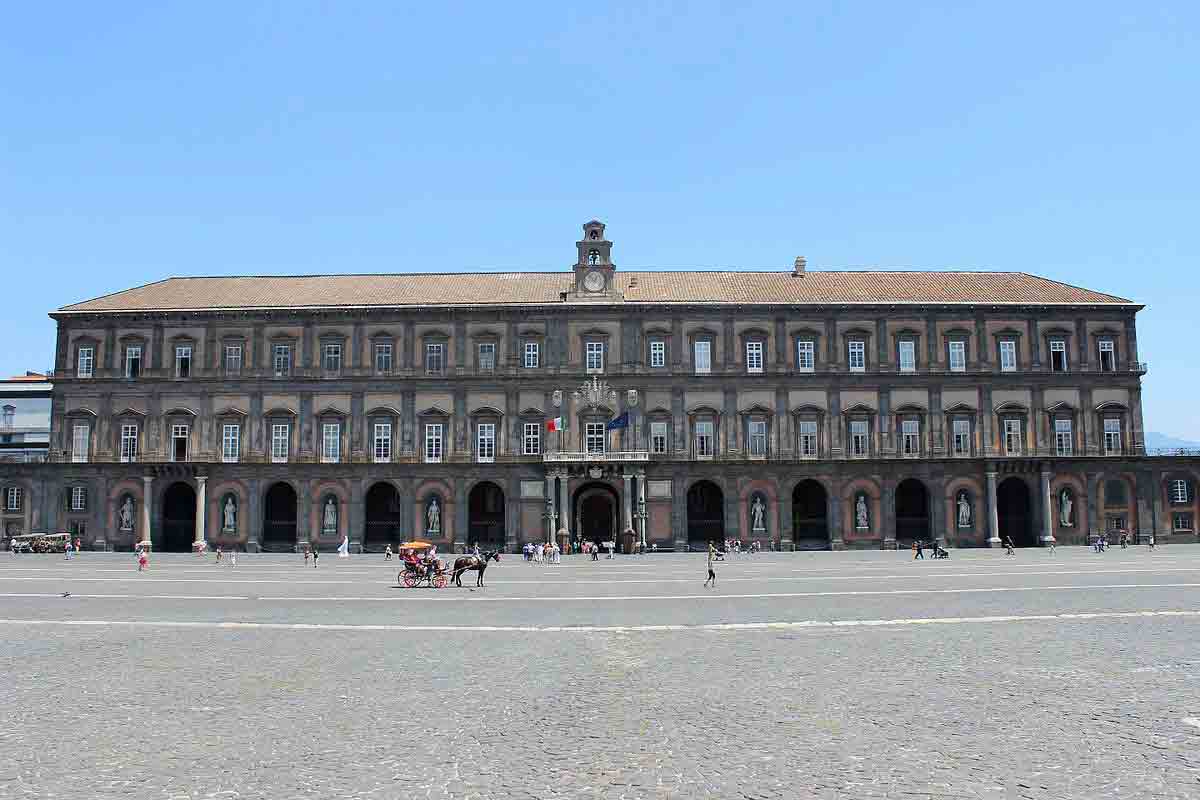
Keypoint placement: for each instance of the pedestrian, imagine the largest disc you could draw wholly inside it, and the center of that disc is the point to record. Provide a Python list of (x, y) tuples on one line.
[(654, 547), (1124, 540), (77, 544), (12, 546), (916, 548), (67, 551), (387, 554), (316, 552), (306, 555), (1008, 546), (1152, 544), (595, 551), (143, 561), (1053, 545), (220, 555), (233, 558), (712, 574)]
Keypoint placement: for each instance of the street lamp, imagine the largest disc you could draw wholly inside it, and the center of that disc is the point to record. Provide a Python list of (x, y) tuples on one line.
[(550, 516), (641, 518)]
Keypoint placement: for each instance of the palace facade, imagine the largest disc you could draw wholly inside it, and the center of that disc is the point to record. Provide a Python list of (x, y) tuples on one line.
[(801, 409)]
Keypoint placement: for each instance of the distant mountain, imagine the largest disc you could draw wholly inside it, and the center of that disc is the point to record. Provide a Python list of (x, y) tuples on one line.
[(1160, 441)]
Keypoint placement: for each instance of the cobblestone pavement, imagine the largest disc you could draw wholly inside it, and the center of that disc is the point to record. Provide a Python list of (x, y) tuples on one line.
[(1040, 678)]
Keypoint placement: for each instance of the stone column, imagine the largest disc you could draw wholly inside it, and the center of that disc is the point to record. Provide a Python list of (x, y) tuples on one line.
[(1048, 510), (564, 508), (641, 489), (147, 487), (993, 516), (627, 501), (201, 508), (549, 501)]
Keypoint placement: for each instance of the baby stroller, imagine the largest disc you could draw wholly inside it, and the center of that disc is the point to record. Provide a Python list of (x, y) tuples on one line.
[(939, 551)]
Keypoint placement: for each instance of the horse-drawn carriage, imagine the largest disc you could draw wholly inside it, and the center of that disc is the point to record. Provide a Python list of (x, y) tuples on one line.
[(420, 569), (39, 542)]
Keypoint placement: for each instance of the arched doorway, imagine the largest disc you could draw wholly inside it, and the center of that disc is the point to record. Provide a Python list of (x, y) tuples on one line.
[(1014, 513), (178, 529), (810, 521), (912, 512), (705, 515), (596, 514), (383, 518), (485, 516), (279, 519)]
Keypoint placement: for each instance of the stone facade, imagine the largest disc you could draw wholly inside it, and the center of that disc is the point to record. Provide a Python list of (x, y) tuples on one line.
[(844, 423)]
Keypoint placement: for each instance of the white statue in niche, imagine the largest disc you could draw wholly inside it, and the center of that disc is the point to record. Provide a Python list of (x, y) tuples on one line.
[(329, 523), (964, 510), (229, 514), (433, 517), (758, 514), (1066, 508), (861, 519), (127, 514)]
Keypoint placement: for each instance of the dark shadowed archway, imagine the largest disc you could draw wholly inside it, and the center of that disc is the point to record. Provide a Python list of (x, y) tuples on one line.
[(705, 515), (178, 530), (485, 516), (596, 513), (912, 512), (382, 518), (279, 519), (810, 516), (1014, 513)]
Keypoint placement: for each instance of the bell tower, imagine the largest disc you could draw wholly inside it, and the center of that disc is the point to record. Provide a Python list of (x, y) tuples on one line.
[(593, 266)]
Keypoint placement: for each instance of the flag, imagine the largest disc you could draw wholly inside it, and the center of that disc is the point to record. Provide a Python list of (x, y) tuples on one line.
[(555, 424), (616, 423)]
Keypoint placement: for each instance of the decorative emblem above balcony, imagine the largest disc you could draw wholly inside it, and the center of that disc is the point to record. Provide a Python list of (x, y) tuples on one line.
[(596, 394)]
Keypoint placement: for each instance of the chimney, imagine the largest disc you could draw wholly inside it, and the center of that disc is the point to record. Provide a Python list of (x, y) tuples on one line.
[(798, 268)]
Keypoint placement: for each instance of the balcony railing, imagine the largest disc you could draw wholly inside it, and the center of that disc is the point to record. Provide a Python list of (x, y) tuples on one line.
[(610, 456)]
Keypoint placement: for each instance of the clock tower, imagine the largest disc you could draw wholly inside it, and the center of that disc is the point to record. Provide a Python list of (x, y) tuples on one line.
[(593, 267)]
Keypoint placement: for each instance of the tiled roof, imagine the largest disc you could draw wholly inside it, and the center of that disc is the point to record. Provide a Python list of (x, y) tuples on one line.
[(540, 288)]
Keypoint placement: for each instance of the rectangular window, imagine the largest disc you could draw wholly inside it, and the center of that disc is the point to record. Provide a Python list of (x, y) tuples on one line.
[(1064, 440), (704, 439), (1108, 356), (331, 442), (658, 437), (80, 436), (383, 442), (86, 360), (910, 433), (532, 355), (658, 353), (958, 356), (533, 439), (231, 443), (280, 439), (435, 363), (1179, 492), (233, 359), (962, 437), (78, 498), (805, 355), (1008, 355), (703, 352), (908, 356), (281, 360), (1058, 355), (1112, 437), (758, 438), (12, 498), (331, 358), (808, 439), (594, 437), (1012, 437), (433, 442), (179, 442), (487, 356), (859, 443), (183, 361), (383, 359), (858, 355), (133, 362), (595, 356), (1182, 522), (129, 443), (485, 442), (754, 356)]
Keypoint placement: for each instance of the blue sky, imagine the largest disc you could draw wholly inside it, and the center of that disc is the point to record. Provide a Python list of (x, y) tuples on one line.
[(139, 141)]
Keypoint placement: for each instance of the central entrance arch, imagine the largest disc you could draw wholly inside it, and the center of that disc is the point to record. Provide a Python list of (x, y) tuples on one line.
[(1014, 512), (912, 512), (596, 513), (178, 529), (810, 516), (705, 515), (485, 516), (382, 518), (279, 519)]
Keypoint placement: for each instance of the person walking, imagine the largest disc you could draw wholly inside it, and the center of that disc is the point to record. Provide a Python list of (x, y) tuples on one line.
[(1153, 546), (595, 551), (233, 558), (67, 551), (12, 546), (143, 560), (220, 555), (387, 554), (316, 552), (77, 544), (1008, 546), (918, 550), (306, 555), (712, 574)]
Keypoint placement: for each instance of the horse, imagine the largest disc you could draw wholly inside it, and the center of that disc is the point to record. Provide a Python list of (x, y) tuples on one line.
[(477, 563)]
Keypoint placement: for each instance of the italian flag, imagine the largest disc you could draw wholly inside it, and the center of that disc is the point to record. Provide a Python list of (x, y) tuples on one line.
[(554, 424)]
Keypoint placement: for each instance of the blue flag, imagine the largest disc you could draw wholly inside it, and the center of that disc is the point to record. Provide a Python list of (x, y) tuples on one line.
[(617, 423)]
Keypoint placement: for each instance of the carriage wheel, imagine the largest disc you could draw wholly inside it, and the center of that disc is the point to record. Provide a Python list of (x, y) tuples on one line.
[(410, 579), (440, 581)]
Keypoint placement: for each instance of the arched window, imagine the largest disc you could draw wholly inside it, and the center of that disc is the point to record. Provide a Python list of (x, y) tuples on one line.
[(7, 416), (593, 257)]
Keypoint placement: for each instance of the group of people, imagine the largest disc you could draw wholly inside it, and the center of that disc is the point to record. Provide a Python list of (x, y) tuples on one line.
[(1101, 543), (919, 545), (548, 553), (735, 546)]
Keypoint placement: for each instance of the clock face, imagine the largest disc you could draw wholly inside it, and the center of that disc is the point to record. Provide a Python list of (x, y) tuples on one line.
[(593, 282)]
